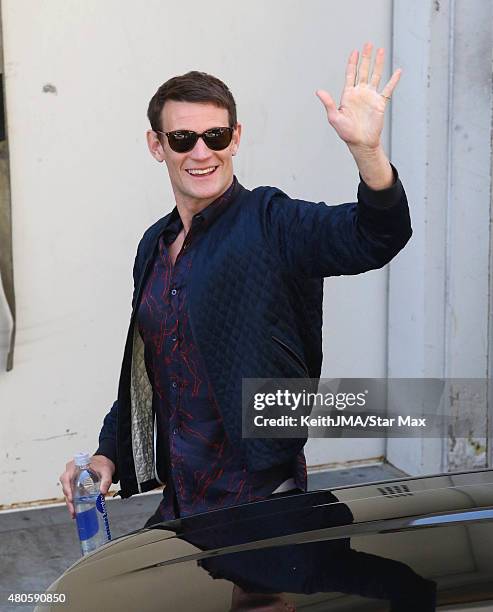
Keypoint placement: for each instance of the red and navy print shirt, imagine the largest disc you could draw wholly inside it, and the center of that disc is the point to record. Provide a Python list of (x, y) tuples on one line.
[(204, 471)]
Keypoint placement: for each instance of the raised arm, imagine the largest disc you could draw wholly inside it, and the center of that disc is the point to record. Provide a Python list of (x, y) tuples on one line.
[(319, 240)]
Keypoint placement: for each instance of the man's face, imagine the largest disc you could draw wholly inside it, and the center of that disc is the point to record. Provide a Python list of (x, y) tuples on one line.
[(195, 191)]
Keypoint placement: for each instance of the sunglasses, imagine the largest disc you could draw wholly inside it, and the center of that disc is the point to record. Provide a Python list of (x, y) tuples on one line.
[(182, 141)]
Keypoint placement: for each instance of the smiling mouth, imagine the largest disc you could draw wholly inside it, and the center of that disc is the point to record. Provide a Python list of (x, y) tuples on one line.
[(198, 172)]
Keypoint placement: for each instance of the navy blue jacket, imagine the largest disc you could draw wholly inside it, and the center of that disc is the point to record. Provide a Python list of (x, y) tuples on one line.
[(255, 310)]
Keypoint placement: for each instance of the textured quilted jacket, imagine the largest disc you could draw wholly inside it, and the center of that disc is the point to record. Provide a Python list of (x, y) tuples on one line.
[(255, 310)]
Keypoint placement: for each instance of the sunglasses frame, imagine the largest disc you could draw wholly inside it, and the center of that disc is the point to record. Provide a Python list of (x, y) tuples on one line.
[(203, 135)]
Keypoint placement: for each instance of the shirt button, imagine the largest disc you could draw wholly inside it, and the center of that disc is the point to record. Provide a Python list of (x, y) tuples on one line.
[(174, 339), (175, 431), (174, 291), (174, 384)]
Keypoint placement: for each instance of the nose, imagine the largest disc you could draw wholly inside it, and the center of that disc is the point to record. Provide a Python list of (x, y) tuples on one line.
[(200, 150)]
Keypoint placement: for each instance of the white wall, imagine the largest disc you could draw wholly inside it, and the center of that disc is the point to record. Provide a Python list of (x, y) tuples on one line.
[(84, 189), (440, 289)]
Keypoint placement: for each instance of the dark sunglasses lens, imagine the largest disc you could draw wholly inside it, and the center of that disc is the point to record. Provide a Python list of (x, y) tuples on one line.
[(181, 142), (218, 139)]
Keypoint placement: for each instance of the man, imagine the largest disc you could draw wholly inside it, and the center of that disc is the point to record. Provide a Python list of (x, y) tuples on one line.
[(229, 286)]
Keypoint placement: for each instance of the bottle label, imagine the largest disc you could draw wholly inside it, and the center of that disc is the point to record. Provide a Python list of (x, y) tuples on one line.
[(87, 524), (101, 507)]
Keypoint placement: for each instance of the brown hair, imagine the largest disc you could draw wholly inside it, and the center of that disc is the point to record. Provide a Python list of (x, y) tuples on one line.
[(193, 86)]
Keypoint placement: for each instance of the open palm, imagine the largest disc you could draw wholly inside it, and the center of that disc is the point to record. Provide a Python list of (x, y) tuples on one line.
[(360, 116)]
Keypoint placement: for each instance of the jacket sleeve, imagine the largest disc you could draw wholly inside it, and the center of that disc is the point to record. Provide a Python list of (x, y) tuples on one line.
[(107, 438), (318, 240)]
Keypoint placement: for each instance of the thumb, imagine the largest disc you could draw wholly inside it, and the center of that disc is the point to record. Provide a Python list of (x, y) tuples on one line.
[(328, 102), (105, 483)]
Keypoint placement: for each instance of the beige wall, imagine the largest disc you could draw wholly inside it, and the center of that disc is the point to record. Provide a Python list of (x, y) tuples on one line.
[(84, 189)]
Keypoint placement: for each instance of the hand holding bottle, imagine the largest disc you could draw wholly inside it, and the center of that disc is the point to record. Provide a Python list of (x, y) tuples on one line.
[(103, 466)]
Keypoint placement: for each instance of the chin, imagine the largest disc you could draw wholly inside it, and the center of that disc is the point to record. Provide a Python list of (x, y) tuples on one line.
[(213, 190), (207, 193)]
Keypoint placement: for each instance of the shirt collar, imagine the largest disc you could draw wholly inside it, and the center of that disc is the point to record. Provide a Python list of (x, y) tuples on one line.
[(206, 216)]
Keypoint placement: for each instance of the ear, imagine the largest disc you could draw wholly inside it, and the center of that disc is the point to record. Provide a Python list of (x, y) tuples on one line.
[(155, 146), (236, 139)]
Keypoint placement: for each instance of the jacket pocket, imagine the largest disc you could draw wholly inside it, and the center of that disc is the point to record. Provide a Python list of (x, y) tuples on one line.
[(293, 356)]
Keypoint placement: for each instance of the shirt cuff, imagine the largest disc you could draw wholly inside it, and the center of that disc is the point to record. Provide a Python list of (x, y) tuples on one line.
[(381, 198)]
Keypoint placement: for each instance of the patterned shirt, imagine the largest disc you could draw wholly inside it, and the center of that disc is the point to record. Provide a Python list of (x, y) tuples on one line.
[(204, 471)]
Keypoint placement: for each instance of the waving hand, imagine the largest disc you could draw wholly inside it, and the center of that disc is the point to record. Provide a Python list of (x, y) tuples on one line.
[(359, 118)]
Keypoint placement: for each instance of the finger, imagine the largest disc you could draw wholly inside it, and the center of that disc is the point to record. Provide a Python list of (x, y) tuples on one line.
[(65, 482), (328, 102), (378, 68), (351, 69), (105, 483), (67, 491), (389, 88), (364, 67)]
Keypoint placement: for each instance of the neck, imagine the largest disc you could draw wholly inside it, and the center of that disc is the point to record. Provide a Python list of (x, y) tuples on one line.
[(187, 211)]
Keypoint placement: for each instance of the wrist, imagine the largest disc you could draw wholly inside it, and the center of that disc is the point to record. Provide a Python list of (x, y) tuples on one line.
[(366, 152), (374, 166)]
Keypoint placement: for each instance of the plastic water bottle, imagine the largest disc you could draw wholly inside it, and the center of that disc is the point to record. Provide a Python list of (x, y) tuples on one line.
[(90, 509)]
